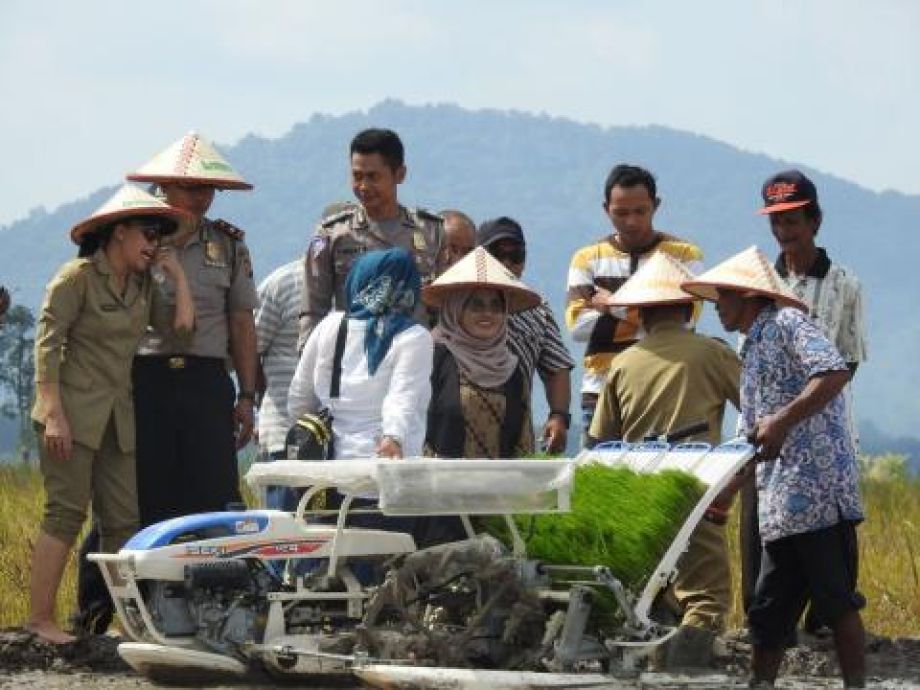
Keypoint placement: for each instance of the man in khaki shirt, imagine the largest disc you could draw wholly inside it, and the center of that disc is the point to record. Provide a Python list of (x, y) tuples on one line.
[(671, 379)]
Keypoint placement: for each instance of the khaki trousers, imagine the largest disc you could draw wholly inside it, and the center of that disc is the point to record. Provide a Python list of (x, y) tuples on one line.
[(701, 593), (104, 477)]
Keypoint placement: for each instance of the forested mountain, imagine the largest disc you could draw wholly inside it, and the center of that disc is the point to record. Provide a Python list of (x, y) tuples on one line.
[(548, 173)]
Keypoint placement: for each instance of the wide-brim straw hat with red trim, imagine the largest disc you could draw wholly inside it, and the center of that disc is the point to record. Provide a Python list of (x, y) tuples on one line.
[(480, 270), (129, 201), (192, 160), (749, 272), (655, 284)]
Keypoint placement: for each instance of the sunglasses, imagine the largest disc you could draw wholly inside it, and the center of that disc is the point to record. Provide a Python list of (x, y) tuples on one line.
[(512, 255), (152, 232)]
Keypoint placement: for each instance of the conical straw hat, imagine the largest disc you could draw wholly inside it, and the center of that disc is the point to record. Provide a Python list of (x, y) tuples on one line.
[(479, 269), (191, 159), (749, 272), (128, 201), (657, 282)]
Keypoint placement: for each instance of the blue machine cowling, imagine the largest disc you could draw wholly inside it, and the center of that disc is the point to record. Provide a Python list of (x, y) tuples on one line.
[(196, 527)]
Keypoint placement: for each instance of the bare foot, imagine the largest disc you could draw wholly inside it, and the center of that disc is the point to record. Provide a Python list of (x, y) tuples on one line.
[(50, 632)]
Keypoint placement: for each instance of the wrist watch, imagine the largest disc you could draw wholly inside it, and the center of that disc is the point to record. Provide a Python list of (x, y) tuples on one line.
[(246, 395), (564, 416)]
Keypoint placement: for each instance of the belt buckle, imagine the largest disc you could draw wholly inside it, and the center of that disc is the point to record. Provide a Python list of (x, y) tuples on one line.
[(176, 362)]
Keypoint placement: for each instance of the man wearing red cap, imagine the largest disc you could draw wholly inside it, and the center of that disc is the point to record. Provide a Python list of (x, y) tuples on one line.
[(833, 295)]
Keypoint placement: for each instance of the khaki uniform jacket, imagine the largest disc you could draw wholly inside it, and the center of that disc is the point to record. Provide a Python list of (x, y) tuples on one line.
[(218, 267), (341, 238), (86, 338), (670, 379)]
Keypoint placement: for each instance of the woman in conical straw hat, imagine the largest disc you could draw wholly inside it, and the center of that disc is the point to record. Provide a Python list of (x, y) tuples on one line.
[(481, 403), (807, 476), (95, 311)]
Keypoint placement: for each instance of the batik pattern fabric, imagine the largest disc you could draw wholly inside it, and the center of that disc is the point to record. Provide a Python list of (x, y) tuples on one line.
[(484, 414), (382, 289), (814, 482)]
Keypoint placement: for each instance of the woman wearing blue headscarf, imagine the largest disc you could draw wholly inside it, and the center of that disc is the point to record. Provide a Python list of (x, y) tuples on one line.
[(386, 365)]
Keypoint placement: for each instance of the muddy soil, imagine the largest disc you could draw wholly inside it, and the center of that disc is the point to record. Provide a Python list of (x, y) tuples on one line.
[(93, 662)]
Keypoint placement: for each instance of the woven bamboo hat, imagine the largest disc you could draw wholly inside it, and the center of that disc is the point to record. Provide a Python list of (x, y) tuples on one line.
[(192, 159), (749, 272), (656, 283), (476, 270), (129, 201)]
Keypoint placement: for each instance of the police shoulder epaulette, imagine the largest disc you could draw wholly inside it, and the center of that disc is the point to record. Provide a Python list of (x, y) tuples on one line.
[(428, 215), (338, 217), (229, 229)]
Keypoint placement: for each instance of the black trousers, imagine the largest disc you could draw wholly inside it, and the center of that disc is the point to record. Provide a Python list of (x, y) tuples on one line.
[(751, 554), (186, 448), (750, 541), (95, 608)]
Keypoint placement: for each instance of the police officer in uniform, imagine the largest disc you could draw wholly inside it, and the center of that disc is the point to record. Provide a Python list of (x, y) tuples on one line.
[(378, 221), (190, 418)]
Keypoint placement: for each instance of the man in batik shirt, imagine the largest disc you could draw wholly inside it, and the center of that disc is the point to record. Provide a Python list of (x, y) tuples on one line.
[(834, 298), (807, 477)]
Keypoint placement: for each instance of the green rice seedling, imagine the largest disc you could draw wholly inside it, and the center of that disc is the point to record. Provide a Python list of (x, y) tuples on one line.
[(619, 518)]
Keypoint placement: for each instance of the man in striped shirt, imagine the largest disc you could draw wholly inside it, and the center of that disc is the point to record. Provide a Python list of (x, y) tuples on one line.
[(596, 271), (533, 334), (276, 330)]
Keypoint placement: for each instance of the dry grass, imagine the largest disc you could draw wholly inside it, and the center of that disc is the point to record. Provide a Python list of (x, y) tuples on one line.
[(889, 557), (889, 552), (21, 505)]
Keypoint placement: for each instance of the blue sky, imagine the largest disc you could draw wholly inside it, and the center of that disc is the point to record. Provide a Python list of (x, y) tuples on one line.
[(92, 88)]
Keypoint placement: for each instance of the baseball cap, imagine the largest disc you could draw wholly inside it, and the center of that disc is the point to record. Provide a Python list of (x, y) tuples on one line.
[(787, 190), (503, 228)]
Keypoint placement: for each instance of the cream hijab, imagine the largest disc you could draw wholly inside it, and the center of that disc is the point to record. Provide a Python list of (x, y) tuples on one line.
[(487, 363)]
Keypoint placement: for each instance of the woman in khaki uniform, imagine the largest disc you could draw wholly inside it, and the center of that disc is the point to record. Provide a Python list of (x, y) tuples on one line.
[(96, 309)]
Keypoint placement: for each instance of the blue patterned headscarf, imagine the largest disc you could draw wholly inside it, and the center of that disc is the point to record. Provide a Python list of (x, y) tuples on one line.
[(382, 288)]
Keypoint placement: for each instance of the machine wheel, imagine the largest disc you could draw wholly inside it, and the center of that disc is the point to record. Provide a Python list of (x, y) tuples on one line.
[(460, 605)]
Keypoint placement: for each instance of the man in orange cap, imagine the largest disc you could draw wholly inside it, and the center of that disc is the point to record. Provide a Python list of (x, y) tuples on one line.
[(807, 476), (834, 298)]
